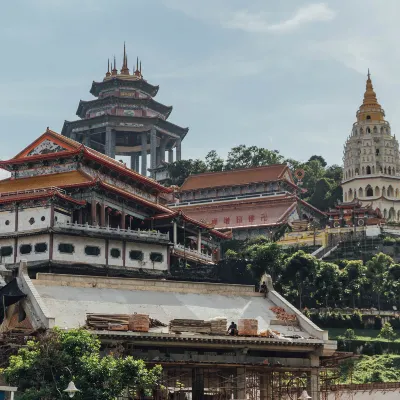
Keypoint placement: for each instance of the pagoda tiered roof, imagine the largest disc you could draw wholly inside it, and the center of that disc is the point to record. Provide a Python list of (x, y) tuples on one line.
[(85, 106), (143, 121), (123, 81)]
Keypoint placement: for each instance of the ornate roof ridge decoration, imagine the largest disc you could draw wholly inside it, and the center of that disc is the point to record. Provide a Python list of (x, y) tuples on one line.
[(86, 152), (154, 105)]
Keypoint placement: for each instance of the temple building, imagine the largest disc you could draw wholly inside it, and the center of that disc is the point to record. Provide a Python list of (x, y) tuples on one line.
[(248, 202), (371, 173), (124, 119), (67, 206)]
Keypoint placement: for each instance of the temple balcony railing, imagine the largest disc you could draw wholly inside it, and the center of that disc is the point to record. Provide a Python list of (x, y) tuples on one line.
[(194, 253), (153, 236)]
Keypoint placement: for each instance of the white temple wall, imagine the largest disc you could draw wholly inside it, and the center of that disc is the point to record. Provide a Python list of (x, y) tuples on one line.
[(7, 243), (115, 244), (147, 249), (33, 255), (7, 221), (33, 218), (79, 255), (60, 217)]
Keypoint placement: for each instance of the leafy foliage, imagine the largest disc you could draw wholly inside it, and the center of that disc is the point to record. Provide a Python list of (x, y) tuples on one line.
[(44, 367)]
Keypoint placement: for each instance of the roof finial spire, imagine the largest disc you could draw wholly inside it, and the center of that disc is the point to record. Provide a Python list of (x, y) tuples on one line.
[(125, 69), (137, 63), (369, 75), (140, 67), (114, 71), (108, 68)]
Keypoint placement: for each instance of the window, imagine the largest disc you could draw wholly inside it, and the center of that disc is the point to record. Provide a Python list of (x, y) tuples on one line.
[(136, 255), (368, 117), (40, 247), (25, 249), (43, 218), (92, 251), (8, 222), (6, 251), (32, 221), (115, 253), (156, 257), (66, 248)]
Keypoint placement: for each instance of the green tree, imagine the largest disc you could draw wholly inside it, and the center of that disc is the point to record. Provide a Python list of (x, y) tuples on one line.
[(378, 272), (214, 162), (321, 191), (265, 257), (243, 157), (43, 368), (299, 275), (354, 278), (387, 332), (328, 283), (320, 159)]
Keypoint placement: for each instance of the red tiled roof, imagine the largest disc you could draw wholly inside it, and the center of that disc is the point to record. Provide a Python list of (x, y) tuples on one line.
[(235, 177), (74, 147), (43, 194)]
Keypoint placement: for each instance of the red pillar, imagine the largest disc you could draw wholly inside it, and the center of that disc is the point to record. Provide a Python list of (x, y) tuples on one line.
[(93, 212), (122, 225), (102, 215)]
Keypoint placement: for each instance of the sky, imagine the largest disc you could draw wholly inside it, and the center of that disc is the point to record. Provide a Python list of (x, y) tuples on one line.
[(286, 75)]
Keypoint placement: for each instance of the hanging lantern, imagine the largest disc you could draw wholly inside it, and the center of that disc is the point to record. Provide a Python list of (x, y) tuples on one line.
[(304, 395)]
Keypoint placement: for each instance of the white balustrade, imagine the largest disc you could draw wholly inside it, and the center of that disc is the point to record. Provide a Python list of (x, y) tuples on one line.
[(33, 191), (190, 251), (107, 229)]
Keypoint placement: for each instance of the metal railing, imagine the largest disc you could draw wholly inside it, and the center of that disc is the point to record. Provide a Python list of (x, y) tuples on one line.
[(107, 229), (33, 191), (192, 252)]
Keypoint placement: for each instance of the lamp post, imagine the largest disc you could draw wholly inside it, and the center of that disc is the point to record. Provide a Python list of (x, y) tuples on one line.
[(71, 389)]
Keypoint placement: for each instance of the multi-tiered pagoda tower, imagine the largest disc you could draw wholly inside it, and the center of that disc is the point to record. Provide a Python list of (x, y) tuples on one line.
[(125, 119)]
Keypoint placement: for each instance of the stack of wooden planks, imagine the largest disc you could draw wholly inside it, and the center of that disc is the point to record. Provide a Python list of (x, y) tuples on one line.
[(122, 322), (190, 325), (218, 326), (248, 327), (139, 323)]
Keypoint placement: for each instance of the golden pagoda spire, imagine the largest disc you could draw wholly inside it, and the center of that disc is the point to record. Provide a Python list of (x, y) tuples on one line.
[(108, 73), (125, 69), (370, 108), (138, 71)]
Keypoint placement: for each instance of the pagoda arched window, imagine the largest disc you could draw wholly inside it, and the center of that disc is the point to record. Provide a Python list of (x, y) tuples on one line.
[(360, 192), (392, 214), (368, 117), (368, 191), (390, 191), (375, 129), (384, 191), (368, 130), (350, 195), (377, 191), (389, 171), (368, 170), (357, 171)]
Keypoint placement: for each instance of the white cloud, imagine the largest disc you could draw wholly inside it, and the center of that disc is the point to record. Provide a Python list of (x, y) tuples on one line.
[(258, 22)]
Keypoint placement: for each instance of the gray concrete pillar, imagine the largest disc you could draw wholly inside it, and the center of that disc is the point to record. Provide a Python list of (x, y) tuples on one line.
[(110, 142), (144, 153), (175, 233), (162, 149), (199, 241), (158, 156), (86, 139), (73, 136), (263, 386), (153, 149), (178, 150), (170, 156), (137, 162), (134, 157)]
